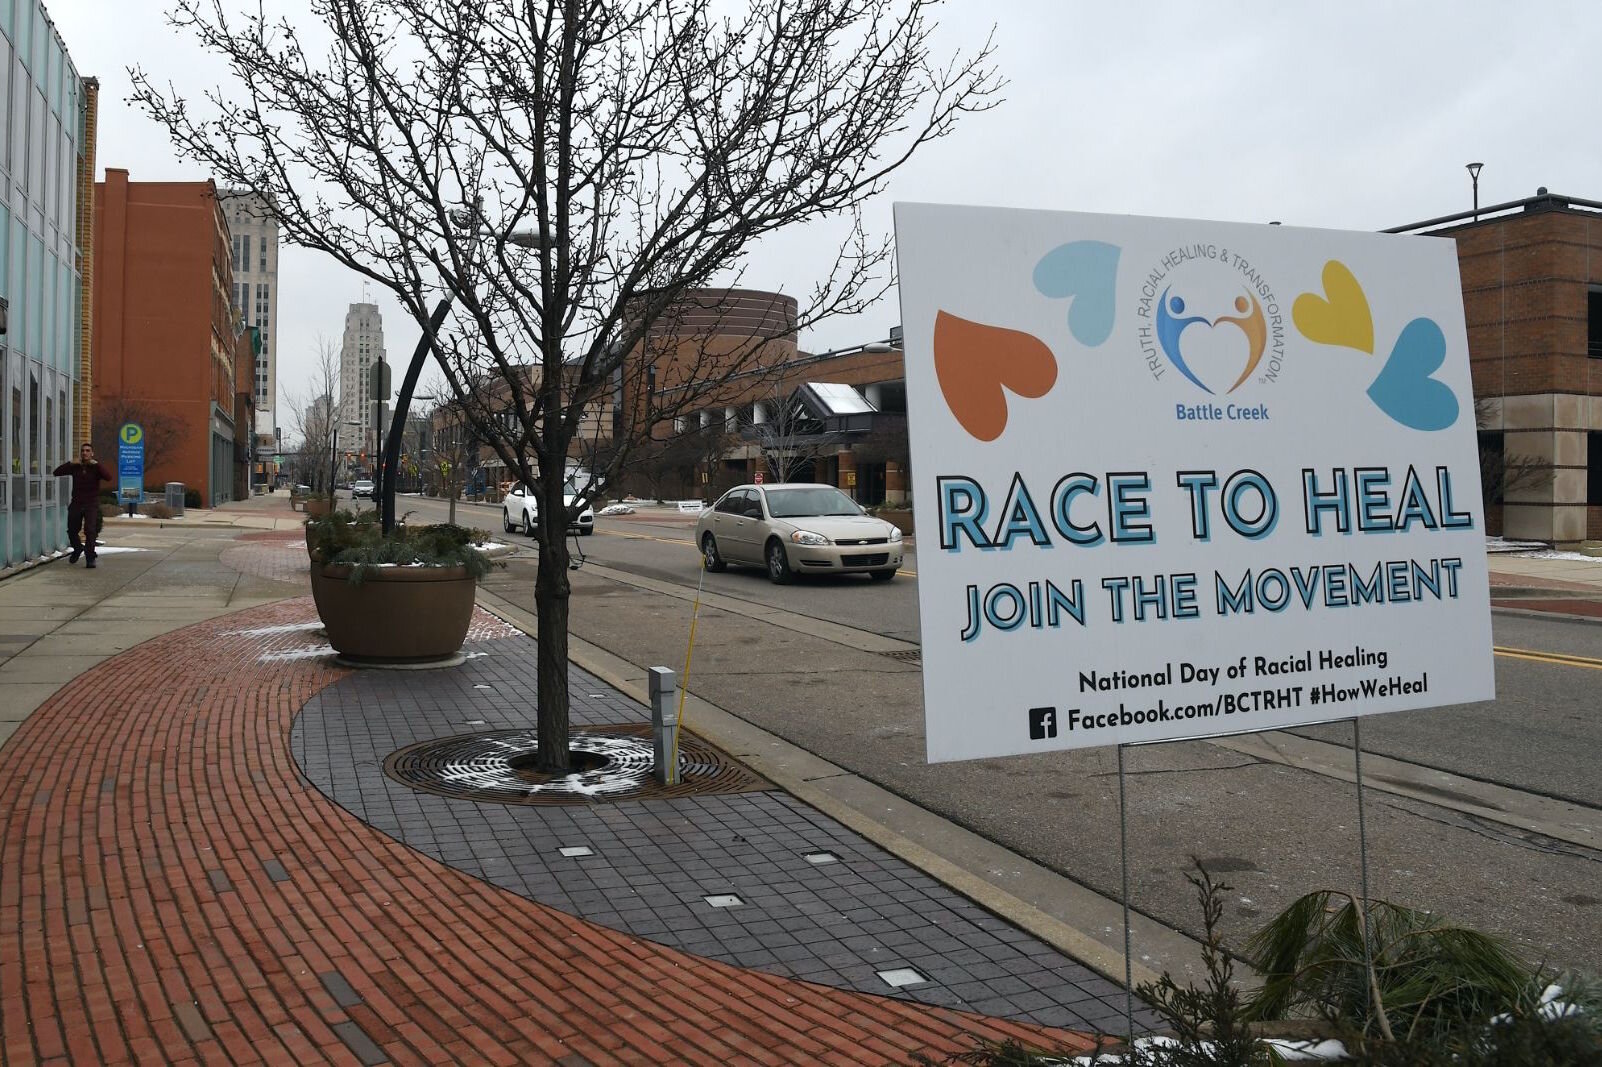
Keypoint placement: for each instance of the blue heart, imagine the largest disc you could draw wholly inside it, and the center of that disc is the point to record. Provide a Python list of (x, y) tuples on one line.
[(1404, 389), (1088, 272)]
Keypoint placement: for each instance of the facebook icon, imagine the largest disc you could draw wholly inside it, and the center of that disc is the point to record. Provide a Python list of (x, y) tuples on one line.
[(1042, 723)]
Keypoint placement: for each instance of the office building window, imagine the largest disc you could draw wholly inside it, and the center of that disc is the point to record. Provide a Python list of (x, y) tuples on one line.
[(33, 421), (245, 255), (1593, 480), (5, 102), (262, 244), (1593, 328), (16, 416), (36, 155)]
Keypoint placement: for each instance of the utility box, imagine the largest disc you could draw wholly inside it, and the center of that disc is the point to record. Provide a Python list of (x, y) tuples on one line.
[(175, 497)]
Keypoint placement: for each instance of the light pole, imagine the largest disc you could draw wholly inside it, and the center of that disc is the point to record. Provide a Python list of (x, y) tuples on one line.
[(1474, 175)]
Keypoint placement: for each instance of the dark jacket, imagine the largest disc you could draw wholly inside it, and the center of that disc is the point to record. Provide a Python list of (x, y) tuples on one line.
[(86, 479)]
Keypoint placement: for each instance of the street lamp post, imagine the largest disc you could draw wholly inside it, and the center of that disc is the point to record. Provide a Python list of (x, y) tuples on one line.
[(1474, 176)]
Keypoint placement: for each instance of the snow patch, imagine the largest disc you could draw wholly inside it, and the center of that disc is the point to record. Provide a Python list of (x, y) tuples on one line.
[(116, 550), (1552, 553), (263, 631), (1326, 1051), (297, 653)]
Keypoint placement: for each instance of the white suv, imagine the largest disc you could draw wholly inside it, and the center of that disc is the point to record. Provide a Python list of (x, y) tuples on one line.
[(520, 510)]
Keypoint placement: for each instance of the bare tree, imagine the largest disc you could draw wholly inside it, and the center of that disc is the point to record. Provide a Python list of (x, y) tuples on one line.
[(569, 174), (1501, 472), (664, 466), (789, 438), (163, 432), (451, 452), (314, 419)]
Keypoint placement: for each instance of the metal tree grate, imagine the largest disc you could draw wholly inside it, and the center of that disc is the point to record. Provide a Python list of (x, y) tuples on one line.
[(615, 761), (910, 655)]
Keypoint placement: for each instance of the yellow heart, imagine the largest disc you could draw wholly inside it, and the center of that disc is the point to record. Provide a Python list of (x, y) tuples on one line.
[(1341, 319)]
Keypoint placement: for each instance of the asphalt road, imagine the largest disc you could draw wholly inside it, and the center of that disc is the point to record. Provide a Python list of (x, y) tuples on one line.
[(1449, 823)]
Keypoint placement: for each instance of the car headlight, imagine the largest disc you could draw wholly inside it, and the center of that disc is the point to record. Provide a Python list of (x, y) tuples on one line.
[(895, 533), (807, 537)]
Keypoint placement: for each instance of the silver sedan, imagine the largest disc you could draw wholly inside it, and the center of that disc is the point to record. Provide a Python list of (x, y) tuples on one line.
[(797, 528)]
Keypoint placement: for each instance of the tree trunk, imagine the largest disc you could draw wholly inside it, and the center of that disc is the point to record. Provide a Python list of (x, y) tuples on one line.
[(551, 597), (452, 518)]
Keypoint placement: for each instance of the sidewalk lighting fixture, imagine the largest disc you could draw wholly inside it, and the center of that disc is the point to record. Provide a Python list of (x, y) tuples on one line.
[(1474, 175)]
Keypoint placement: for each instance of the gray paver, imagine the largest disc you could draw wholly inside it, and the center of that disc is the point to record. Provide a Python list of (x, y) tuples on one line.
[(655, 861)]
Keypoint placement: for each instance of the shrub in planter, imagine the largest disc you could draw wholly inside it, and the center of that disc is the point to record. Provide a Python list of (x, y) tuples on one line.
[(402, 596), (357, 540), (155, 510)]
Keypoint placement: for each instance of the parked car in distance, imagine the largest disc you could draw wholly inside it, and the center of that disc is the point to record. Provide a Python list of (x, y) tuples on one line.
[(795, 528), (520, 510), (362, 487)]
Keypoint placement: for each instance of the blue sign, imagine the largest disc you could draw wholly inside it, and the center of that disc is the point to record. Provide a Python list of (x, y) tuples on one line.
[(130, 461)]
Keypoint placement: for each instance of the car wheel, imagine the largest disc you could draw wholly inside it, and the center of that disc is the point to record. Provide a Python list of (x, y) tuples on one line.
[(881, 576), (587, 530), (711, 556), (778, 564), (528, 525), (506, 521)]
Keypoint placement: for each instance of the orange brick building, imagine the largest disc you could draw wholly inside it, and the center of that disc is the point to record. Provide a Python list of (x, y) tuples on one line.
[(1532, 297), (164, 336), (714, 429)]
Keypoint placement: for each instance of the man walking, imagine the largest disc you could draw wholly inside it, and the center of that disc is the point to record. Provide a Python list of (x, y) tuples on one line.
[(85, 507)]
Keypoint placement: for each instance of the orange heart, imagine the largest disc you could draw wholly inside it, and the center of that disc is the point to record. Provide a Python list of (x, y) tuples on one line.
[(974, 361)]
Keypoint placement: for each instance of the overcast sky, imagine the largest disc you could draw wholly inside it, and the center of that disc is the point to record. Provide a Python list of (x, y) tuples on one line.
[(1359, 115)]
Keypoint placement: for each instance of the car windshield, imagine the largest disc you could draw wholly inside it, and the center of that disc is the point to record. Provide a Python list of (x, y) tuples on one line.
[(820, 500)]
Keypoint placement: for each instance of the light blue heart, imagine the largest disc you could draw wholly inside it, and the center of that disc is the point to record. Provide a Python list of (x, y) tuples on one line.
[(1087, 271), (1404, 389)]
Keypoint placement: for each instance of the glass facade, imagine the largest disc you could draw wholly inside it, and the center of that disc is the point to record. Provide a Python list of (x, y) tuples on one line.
[(41, 110)]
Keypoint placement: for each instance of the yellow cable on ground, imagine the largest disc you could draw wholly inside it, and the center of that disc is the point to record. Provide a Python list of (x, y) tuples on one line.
[(689, 650)]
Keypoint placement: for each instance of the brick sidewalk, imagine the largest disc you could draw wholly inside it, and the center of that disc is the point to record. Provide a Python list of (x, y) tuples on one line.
[(173, 890)]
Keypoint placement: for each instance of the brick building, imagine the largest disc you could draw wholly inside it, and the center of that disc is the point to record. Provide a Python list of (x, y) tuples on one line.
[(249, 467), (1532, 297), (446, 441), (165, 335), (837, 417)]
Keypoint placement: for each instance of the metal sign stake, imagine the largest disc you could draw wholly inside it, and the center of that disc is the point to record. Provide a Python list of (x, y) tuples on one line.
[(1362, 844), (1123, 858)]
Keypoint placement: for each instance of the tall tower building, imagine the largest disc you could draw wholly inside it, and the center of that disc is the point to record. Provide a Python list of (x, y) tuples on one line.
[(363, 346), (255, 260)]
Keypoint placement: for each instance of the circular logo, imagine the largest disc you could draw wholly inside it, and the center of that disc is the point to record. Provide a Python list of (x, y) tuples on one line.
[(131, 433), (1212, 317)]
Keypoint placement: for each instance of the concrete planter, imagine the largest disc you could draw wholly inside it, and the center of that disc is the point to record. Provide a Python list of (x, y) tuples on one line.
[(900, 518), (318, 506), (397, 614)]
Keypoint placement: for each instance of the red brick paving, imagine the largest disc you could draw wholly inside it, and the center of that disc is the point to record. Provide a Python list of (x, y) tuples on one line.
[(138, 922), (281, 559), (1525, 581), (1566, 606)]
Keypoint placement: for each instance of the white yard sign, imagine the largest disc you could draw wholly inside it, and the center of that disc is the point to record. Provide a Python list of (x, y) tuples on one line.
[(1176, 478)]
